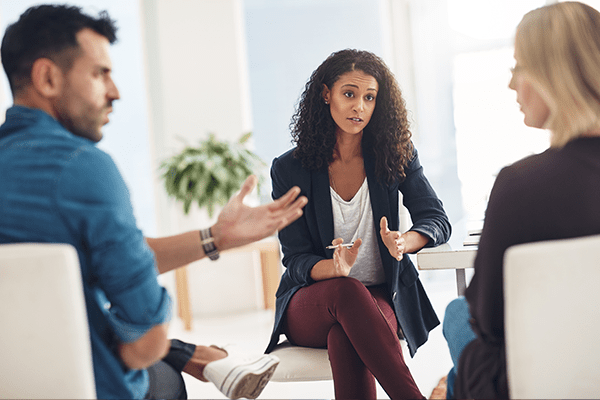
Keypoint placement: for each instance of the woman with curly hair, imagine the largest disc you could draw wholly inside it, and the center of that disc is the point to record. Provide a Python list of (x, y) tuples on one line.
[(353, 157)]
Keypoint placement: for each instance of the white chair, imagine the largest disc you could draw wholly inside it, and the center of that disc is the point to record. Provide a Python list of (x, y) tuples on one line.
[(301, 364), (304, 364), (44, 339), (552, 318)]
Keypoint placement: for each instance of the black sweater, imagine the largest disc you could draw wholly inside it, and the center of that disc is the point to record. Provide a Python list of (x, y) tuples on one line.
[(553, 195)]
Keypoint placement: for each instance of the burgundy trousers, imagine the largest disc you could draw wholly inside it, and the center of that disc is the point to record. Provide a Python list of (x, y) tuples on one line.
[(358, 326)]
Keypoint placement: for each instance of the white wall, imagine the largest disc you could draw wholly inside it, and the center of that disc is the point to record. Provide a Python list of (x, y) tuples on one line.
[(126, 136), (198, 83), (197, 78)]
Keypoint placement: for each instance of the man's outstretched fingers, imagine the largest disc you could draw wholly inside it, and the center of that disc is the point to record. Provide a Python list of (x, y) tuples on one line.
[(286, 199), (248, 186), (293, 212)]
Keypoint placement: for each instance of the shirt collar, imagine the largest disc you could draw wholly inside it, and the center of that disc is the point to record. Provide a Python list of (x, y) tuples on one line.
[(19, 118)]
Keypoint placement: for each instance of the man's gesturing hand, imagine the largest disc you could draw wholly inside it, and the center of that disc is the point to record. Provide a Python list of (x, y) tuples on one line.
[(239, 224)]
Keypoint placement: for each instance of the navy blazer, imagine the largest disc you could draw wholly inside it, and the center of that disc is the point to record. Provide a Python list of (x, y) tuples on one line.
[(304, 241)]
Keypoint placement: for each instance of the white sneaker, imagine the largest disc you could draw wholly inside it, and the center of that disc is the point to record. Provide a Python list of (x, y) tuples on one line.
[(241, 377)]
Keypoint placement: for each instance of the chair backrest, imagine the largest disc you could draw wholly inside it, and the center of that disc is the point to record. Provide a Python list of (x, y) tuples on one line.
[(45, 347), (552, 318)]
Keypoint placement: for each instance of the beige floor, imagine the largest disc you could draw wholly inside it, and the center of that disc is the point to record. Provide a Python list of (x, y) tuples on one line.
[(250, 332)]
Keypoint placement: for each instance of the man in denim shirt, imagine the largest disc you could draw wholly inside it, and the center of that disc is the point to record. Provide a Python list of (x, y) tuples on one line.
[(56, 186)]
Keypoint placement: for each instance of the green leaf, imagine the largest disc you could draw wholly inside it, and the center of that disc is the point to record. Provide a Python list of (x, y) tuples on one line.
[(220, 173), (245, 137), (211, 172), (210, 208)]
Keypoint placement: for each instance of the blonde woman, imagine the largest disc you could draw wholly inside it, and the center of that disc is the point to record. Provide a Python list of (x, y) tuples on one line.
[(552, 195)]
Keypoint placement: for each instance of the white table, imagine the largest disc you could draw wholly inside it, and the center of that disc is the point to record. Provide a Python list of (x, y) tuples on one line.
[(447, 257)]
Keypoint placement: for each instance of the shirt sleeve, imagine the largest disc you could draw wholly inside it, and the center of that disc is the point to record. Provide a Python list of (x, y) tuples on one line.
[(95, 204)]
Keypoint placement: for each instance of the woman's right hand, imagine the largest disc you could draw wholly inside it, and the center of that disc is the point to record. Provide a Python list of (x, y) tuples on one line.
[(344, 258), (340, 265)]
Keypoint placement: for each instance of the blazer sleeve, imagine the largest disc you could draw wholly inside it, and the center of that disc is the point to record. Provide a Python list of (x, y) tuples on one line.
[(299, 240), (425, 208)]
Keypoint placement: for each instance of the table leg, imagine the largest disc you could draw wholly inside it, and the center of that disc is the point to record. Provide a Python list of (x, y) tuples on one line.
[(461, 281)]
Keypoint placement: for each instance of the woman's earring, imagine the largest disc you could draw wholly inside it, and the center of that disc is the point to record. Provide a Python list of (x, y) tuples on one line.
[(326, 102)]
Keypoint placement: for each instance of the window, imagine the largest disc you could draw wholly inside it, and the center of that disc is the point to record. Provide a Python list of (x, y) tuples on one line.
[(490, 133)]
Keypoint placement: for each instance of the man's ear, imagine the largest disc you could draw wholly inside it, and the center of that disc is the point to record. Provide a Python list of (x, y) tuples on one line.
[(46, 77), (326, 94)]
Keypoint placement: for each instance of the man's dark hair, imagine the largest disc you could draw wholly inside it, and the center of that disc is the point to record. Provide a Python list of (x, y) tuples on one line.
[(47, 31)]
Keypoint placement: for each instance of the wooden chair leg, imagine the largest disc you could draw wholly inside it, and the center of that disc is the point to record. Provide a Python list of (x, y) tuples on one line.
[(183, 298), (271, 274)]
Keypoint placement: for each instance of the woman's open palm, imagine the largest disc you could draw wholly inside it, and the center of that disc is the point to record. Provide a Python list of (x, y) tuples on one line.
[(344, 258), (393, 240)]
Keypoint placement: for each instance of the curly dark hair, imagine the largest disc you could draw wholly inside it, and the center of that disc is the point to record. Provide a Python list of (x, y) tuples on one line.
[(47, 31), (387, 136)]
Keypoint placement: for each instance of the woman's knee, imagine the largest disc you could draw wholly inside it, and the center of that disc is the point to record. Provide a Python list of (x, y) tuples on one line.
[(457, 308), (457, 328), (349, 288), (457, 314)]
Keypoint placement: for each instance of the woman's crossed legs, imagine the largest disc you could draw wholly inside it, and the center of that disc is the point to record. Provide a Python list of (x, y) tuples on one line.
[(358, 326)]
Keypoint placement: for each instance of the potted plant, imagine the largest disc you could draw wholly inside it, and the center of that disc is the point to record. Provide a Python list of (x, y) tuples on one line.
[(211, 172)]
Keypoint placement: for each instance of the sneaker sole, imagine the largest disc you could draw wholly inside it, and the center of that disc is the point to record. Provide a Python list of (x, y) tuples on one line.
[(249, 380)]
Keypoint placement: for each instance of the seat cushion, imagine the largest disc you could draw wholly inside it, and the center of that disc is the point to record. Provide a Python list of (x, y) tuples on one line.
[(298, 364)]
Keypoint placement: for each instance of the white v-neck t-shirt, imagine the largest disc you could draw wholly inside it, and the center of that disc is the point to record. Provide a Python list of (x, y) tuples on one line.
[(352, 220)]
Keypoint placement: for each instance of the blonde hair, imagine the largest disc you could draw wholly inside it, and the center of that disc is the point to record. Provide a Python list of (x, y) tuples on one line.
[(559, 46)]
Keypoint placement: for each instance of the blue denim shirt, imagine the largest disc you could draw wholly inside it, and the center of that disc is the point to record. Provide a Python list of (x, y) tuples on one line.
[(56, 187)]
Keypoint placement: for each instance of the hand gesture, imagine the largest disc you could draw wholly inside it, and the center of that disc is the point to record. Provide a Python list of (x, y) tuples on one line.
[(393, 240), (239, 224), (344, 258)]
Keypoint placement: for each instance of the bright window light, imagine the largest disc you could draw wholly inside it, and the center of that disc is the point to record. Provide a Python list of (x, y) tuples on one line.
[(488, 20), (490, 132)]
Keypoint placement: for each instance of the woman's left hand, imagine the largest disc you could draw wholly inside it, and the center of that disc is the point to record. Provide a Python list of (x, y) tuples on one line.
[(393, 240)]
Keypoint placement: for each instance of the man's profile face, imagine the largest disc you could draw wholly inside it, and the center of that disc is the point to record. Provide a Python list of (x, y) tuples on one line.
[(88, 90)]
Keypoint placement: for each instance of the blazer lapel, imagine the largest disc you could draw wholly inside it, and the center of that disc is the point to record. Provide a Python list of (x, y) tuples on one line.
[(322, 204), (380, 204), (380, 201)]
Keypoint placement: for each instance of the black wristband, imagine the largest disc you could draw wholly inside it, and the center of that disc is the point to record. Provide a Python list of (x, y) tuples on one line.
[(208, 244)]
